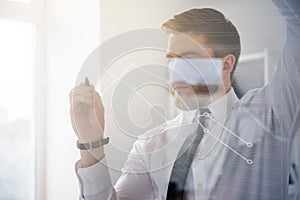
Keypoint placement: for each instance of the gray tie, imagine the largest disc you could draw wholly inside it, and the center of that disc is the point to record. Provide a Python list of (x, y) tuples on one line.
[(184, 160)]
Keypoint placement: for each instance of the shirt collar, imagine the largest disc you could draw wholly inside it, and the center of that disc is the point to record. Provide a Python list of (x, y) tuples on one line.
[(223, 105), (218, 108)]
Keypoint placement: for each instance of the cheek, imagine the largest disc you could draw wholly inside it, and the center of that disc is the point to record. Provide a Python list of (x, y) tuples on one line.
[(225, 74)]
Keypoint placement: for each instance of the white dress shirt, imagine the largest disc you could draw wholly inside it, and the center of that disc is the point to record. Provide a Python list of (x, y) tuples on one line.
[(204, 170), (246, 154), (203, 174)]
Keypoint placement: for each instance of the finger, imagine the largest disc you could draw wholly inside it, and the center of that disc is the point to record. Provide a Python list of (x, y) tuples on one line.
[(83, 93), (82, 85), (85, 89), (98, 102), (80, 92), (97, 96), (78, 98)]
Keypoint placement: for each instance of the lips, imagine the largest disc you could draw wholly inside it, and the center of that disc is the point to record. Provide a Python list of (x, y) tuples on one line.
[(179, 86)]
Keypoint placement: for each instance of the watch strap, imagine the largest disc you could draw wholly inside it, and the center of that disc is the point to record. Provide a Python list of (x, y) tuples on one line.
[(92, 145)]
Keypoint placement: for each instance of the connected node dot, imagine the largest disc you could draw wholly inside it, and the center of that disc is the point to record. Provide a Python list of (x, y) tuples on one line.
[(250, 162), (205, 130), (206, 114), (249, 144)]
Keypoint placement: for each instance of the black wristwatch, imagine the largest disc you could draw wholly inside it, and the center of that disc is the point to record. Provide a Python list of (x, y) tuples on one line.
[(92, 145)]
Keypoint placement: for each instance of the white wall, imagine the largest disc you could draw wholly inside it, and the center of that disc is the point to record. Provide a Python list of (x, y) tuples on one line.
[(72, 28)]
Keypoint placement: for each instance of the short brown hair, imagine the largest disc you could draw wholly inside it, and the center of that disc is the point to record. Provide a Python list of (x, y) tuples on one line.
[(219, 33)]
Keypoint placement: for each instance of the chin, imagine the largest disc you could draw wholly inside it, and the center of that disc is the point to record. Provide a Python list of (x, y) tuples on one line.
[(194, 96), (191, 102)]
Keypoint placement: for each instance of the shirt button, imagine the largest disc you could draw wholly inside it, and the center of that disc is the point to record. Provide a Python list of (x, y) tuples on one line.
[(200, 185), (88, 181)]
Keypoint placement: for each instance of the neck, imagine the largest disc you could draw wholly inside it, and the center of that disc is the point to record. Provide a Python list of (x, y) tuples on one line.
[(227, 89), (220, 93)]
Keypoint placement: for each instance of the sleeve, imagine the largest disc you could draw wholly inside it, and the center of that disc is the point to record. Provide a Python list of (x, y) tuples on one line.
[(134, 182), (294, 183), (94, 182), (283, 93)]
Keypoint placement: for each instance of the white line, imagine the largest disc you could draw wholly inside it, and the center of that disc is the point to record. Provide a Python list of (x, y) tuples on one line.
[(233, 150), (125, 71), (227, 146), (247, 143), (138, 93)]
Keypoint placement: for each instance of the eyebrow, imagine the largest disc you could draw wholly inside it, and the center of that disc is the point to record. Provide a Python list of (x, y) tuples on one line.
[(172, 55)]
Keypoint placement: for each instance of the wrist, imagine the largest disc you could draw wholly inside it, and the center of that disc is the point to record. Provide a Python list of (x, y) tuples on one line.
[(91, 156), (89, 137), (92, 145)]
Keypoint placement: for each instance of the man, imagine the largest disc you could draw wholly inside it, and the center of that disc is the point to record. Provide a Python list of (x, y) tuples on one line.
[(244, 148)]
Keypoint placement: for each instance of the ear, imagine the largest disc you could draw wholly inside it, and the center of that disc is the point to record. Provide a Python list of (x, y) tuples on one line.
[(228, 63)]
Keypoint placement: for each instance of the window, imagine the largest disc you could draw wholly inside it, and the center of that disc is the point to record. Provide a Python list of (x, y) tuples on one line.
[(16, 110), (20, 39)]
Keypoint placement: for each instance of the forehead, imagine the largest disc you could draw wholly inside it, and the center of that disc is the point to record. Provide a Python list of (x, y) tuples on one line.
[(187, 45)]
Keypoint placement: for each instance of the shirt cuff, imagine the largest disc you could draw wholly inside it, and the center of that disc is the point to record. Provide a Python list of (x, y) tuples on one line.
[(94, 179)]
